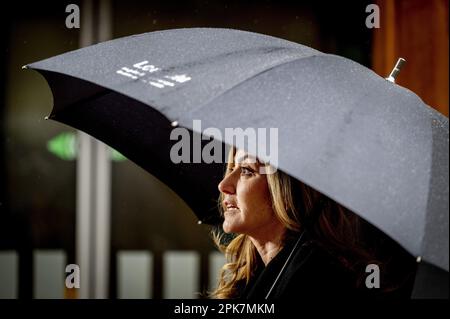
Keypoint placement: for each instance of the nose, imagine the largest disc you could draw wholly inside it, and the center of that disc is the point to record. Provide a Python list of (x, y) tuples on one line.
[(227, 185)]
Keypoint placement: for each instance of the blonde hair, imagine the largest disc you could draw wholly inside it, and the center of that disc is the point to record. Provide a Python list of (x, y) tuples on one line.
[(296, 206)]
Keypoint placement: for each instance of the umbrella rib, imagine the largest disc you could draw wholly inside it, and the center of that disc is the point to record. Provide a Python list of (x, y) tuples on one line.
[(255, 75)]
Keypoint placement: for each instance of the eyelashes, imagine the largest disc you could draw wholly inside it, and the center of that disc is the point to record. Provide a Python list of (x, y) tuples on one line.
[(246, 171)]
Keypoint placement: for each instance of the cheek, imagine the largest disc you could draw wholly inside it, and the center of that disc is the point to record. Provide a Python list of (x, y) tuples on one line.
[(253, 195)]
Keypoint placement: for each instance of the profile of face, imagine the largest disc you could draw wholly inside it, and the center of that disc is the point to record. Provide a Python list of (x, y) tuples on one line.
[(246, 199)]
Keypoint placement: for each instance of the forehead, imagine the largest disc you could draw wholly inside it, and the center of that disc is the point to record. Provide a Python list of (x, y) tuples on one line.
[(242, 156)]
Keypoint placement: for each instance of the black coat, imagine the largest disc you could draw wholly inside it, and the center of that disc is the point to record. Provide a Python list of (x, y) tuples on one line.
[(312, 272)]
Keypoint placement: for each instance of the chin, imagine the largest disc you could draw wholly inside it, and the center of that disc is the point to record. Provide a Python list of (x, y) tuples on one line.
[(229, 227)]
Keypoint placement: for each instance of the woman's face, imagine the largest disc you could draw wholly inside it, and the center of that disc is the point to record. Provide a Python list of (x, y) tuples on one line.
[(246, 199)]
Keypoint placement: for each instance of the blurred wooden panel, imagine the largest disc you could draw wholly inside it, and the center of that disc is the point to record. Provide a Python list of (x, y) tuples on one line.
[(416, 30)]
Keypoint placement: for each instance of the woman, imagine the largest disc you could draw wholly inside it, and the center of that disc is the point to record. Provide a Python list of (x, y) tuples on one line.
[(288, 241)]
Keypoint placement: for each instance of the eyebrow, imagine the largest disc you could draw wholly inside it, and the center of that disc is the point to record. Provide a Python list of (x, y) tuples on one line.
[(240, 159)]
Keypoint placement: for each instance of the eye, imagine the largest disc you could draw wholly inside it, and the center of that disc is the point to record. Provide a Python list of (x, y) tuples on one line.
[(246, 171)]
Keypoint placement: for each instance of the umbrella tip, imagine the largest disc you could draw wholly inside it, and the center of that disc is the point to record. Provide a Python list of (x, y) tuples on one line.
[(199, 222), (24, 67), (174, 123), (396, 70)]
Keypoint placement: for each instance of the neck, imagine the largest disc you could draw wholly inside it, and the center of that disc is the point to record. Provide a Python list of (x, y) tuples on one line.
[(269, 243)]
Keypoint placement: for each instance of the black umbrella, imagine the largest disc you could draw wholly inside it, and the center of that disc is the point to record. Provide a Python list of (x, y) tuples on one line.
[(365, 142)]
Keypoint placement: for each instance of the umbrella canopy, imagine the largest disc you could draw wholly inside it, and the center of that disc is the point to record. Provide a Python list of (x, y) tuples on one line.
[(365, 142)]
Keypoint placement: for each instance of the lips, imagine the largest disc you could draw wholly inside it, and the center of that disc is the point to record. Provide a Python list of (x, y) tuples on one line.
[(230, 205)]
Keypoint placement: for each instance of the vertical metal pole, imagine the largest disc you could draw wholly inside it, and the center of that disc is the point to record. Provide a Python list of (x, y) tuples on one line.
[(102, 219), (103, 184), (84, 173), (93, 179)]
